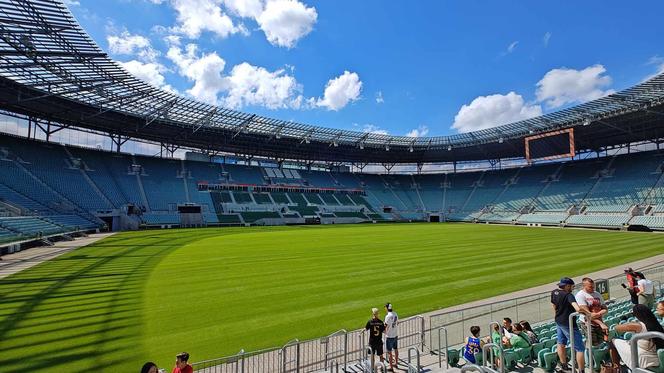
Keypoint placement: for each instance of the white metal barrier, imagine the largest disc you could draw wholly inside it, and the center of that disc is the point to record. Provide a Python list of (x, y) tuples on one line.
[(634, 366)]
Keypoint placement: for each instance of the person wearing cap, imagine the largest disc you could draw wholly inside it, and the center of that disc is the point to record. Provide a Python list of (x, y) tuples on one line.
[(392, 336), (564, 304), (376, 327)]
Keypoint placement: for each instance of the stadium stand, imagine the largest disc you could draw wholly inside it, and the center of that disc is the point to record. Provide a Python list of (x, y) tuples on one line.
[(41, 179)]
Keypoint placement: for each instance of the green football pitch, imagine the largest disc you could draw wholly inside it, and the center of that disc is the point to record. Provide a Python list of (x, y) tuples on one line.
[(148, 295)]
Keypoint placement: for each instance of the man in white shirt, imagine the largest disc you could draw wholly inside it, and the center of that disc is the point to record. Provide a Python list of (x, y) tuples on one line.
[(645, 291), (392, 336), (590, 300)]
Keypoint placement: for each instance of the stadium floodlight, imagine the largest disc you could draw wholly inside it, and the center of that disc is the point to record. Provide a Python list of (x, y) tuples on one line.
[(387, 148), (449, 148), (500, 140), (410, 149), (361, 146), (587, 121)]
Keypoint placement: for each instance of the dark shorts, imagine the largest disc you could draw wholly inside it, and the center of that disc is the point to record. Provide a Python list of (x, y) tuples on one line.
[(391, 344), (376, 348)]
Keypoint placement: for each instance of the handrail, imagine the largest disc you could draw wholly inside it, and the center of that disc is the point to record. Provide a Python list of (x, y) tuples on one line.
[(490, 355), (417, 354), (634, 364), (589, 340), (325, 340), (442, 330), (282, 352)]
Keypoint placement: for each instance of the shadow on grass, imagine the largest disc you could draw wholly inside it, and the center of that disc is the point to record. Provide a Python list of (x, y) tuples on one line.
[(83, 311)]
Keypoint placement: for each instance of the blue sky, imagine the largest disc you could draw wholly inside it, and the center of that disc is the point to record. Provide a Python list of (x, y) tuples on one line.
[(400, 67)]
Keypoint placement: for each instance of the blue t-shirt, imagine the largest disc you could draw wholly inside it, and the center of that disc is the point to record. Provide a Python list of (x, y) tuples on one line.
[(472, 346)]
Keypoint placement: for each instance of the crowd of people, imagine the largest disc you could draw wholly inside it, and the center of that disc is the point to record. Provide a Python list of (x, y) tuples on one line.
[(590, 305), (587, 302)]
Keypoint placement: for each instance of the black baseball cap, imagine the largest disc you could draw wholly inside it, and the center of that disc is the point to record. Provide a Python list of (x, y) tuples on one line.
[(388, 305)]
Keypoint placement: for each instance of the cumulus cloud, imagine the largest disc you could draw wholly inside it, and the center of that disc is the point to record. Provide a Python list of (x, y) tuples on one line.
[(150, 72), (196, 16), (251, 85), (245, 85), (204, 70), (494, 110), (72, 2), (340, 91), (284, 22), (564, 86), (126, 43), (419, 131), (245, 8)]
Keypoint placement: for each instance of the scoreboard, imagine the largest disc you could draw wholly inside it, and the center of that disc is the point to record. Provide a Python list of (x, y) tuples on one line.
[(550, 145)]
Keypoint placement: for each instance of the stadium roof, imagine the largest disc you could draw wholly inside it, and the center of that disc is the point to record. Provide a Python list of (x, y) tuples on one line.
[(51, 69)]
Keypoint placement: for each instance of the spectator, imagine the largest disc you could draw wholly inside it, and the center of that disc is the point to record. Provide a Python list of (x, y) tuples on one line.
[(660, 309), (376, 327), (181, 363), (507, 327), (519, 338), (592, 302), (392, 336), (149, 367), (645, 291), (631, 285), (647, 348), (532, 337), (473, 345), (564, 304)]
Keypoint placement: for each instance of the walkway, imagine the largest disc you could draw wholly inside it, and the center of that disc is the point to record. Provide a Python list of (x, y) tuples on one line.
[(16, 262)]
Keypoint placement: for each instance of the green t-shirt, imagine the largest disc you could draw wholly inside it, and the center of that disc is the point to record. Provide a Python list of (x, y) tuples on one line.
[(519, 341), (496, 338)]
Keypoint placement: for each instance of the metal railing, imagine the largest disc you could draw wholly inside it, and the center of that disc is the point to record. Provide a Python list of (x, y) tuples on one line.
[(589, 341), (634, 364), (342, 347), (534, 308)]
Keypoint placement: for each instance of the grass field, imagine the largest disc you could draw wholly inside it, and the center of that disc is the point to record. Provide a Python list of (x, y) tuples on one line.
[(147, 295)]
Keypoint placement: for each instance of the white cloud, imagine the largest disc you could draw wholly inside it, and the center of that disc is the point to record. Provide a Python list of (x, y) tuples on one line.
[(419, 131), (494, 110), (245, 8), (72, 2), (379, 97), (340, 91), (126, 43), (251, 85), (564, 86), (546, 38), (149, 72), (370, 128), (512, 46), (205, 71), (284, 22), (196, 16), (245, 84), (658, 62)]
